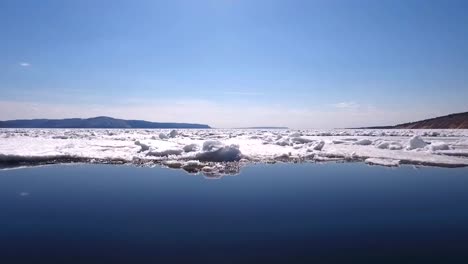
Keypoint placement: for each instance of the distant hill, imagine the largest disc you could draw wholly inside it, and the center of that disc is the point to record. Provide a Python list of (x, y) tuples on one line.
[(453, 121), (95, 122)]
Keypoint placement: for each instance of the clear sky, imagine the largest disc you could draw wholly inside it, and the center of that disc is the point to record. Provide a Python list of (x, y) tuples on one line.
[(232, 63)]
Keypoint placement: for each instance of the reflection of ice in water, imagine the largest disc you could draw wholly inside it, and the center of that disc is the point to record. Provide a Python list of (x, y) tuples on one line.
[(24, 194)]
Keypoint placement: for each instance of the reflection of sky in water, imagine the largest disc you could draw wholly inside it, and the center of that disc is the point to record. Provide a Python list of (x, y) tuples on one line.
[(269, 211)]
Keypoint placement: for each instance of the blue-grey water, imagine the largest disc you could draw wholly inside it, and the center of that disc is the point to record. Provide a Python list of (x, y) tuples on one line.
[(283, 213)]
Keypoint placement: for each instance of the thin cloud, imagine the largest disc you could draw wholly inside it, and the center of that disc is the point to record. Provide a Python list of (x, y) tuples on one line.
[(243, 93), (25, 64), (346, 105)]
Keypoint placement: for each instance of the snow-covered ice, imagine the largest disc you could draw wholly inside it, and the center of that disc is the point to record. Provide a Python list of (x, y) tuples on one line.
[(217, 151)]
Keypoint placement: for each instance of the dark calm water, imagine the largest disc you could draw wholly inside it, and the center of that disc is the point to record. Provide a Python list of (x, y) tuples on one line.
[(285, 213)]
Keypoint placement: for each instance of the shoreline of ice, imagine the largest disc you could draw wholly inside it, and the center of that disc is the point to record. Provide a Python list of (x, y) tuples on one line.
[(225, 151)]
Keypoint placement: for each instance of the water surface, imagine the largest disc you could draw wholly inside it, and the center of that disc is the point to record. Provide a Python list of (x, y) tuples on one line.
[(283, 213)]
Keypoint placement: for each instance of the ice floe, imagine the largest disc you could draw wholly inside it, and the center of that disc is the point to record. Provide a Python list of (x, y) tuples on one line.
[(383, 162), (223, 151)]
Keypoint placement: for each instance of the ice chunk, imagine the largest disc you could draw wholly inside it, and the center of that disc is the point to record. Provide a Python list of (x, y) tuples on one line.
[(283, 142), (207, 169), (190, 147), (416, 142), (383, 145), (144, 147), (382, 162), (300, 140), (165, 153), (211, 145), (163, 136), (60, 137), (439, 146), (337, 141), (295, 134), (192, 166), (173, 134), (174, 164), (363, 142), (395, 146), (319, 145), (222, 154)]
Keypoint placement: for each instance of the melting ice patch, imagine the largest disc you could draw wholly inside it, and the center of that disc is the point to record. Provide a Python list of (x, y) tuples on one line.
[(217, 152)]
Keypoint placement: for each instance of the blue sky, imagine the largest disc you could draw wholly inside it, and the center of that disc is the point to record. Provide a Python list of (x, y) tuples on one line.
[(231, 63)]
